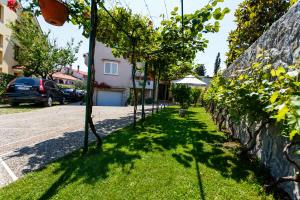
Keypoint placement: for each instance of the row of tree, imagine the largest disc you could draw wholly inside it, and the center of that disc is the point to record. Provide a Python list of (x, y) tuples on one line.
[(168, 51)]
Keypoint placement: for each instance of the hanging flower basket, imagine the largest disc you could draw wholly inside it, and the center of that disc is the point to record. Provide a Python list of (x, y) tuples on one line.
[(54, 12), (13, 5)]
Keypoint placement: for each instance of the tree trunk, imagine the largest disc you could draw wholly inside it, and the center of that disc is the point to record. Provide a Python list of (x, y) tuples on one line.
[(154, 89), (158, 79), (165, 95), (253, 137), (133, 72), (222, 120), (90, 83), (143, 91)]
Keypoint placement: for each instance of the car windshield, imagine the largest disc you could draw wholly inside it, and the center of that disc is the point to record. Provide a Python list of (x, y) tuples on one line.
[(68, 90), (25, 81)]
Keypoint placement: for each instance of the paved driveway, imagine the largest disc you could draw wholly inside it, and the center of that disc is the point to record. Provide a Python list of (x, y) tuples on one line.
[(30, 140)]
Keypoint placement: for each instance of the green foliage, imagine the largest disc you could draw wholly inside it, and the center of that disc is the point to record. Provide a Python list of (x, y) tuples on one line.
[(149, 101), (80, 85), (182, 94), (172, 46), (64, 86), (36, 52), (259, 93), (196, 93), (185, 41), (200, 70), (253, 18), (4, 80), (217, 64)]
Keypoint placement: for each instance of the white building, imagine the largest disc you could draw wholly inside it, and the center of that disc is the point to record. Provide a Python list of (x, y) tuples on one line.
[(113, 78), (7, 53)]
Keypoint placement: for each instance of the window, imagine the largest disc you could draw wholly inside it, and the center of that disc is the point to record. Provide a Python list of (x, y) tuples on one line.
[(49, 84), (1, 57), (17, 50), (1, 40), (111, 68), (1, 13)]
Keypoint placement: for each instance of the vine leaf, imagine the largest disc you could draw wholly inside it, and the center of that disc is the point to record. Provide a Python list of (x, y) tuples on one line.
[(283, 110), (274, 97)]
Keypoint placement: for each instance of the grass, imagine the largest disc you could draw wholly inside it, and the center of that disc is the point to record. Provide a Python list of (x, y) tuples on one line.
[(167, 158), (7, 109)]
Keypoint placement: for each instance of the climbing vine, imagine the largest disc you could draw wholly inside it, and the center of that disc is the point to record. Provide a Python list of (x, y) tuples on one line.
[(258, 96)]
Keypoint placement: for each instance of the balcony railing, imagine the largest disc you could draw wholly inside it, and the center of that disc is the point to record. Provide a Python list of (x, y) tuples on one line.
[(139, 84)]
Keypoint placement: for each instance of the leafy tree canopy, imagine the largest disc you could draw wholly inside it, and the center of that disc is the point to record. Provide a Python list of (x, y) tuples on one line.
[(217, 64), (200, 70), (39, 55), (166, 41)]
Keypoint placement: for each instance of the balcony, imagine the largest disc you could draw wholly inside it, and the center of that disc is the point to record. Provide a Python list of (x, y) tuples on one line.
[(139, 84)]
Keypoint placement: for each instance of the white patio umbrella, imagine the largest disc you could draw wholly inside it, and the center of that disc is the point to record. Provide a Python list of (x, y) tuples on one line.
[(191, 81)]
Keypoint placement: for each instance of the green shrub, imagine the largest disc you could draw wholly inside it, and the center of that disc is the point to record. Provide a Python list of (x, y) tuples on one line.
[(4, 80), (196, 92), (148, 101), (80, 85), (63, 86), (182, 94)]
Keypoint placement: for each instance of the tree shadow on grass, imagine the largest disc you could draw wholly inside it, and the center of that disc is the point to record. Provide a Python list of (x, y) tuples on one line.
[(164, 131)]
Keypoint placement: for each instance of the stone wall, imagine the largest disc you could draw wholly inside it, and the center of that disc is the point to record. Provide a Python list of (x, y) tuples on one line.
[(281, 41), (282, 44)]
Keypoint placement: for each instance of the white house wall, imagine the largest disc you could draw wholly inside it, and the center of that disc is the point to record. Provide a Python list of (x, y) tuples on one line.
[(7, 48)]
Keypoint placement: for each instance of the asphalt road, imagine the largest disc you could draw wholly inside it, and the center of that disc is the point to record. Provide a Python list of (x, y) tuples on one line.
[(30, 140)]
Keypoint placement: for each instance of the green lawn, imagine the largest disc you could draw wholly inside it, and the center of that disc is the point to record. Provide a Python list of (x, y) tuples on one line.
[(7, 109), (170, 158)]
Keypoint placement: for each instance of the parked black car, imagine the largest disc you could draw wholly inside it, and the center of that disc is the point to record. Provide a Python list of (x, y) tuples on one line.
[(70, 95), (80, 94), (33, 90)]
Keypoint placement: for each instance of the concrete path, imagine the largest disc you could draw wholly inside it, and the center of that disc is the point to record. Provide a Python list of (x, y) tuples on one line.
[(30, 140)]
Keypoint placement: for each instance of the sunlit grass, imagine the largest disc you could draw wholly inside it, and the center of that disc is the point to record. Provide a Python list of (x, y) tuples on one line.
[(166, 158)]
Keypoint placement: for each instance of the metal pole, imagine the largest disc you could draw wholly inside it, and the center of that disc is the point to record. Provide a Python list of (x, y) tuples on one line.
[(90, 63)]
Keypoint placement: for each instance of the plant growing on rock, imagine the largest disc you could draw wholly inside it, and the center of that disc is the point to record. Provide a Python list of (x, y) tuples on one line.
[(258, 96)]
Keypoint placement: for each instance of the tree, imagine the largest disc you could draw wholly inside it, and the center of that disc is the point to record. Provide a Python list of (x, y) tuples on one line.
[(253, 18), (200, 70), (182, 94), (196, 92), (80, 85), (36, 52), (217, 64)]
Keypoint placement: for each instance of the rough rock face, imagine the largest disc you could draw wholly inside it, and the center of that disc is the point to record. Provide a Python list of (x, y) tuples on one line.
[(282, 44), (281, 41)]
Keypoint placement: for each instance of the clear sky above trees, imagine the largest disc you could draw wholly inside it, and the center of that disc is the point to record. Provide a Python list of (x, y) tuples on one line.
[(217, 42)]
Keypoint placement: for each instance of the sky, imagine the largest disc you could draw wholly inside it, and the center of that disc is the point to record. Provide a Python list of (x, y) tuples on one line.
[(154, 8)]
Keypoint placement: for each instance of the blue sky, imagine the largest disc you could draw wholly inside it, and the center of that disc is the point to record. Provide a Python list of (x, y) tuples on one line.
[(217, 41)]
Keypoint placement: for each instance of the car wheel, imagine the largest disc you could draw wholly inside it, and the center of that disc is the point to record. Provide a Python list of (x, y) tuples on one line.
[(49, 102), (63, 101)]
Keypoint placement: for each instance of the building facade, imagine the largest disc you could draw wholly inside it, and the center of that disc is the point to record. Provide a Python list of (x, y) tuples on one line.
[(7, 53), (113, 83)]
